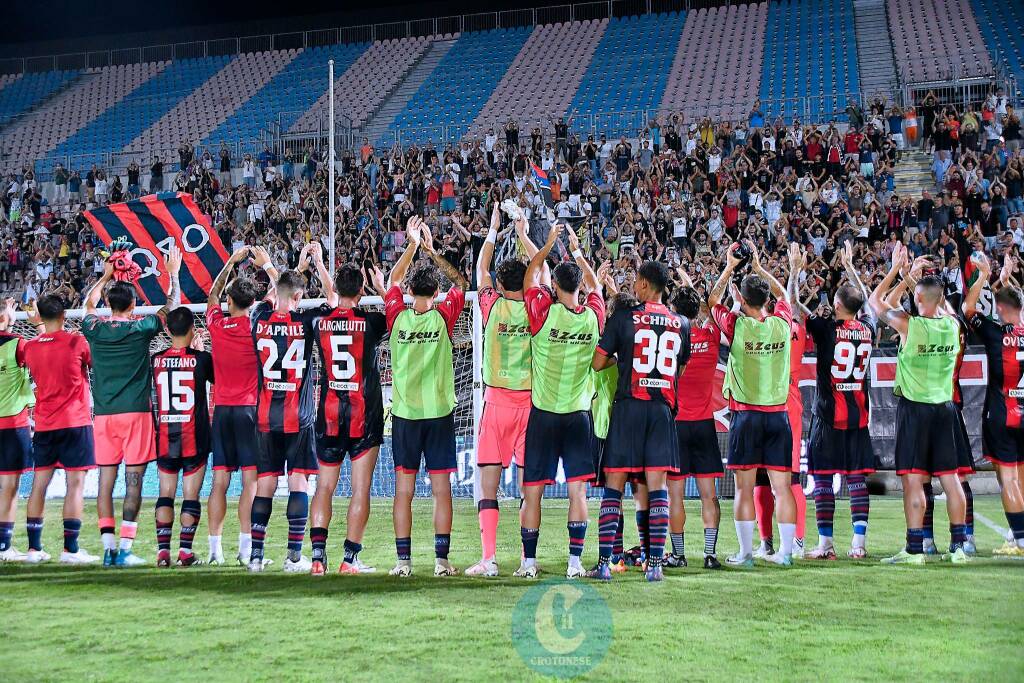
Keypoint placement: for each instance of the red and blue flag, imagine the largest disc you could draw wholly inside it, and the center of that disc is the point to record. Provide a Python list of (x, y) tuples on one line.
[(540, 179), (152, 224)]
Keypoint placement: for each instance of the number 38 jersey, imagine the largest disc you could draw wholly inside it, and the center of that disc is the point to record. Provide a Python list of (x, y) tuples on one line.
[(844, 357), (350, 393), (182, 410), (651, 344), (284, 350)]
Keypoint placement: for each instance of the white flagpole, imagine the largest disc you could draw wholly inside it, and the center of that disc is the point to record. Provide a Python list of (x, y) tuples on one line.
[(330, 167)]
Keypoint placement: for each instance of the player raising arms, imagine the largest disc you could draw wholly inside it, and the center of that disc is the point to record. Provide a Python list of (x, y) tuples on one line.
[(563, 337), (122, 388), (284, 341), (649, 343), (699, 455), (840, 442), (757, 386), (507, 378), (15, 442), (59, 362), (234, 402), (350, 413), (423, 392), (926, 423), (1004, 399), (181, 374)]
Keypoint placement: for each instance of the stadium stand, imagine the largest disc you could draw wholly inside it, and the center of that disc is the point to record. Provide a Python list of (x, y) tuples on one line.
[(23, 92), (936, 39), (1002, 26), (722, 80)]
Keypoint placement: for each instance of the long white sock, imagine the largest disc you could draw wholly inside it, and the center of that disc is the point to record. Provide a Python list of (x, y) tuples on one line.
[(109, 542), (787, 532), (858, 540), (826, 542), (245, 544), (215, 548), (745, 535), (574, 561)]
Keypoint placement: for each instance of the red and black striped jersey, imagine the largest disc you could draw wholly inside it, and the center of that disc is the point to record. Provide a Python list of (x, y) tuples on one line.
[(284, 349), (350, 393), (1004, 347), (651, 345), (696, 387), (843, 362), (180, 376), (958, 392)]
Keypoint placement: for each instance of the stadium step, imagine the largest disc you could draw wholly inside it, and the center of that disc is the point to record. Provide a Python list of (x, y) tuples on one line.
[(45, 102), (381, 119), (914, 173), (875, 61)]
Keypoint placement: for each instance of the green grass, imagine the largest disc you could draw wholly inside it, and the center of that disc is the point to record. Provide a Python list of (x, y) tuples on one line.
[(843, 620)]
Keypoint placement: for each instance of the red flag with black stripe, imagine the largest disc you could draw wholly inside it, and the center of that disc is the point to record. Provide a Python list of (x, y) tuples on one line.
[(152, 223)]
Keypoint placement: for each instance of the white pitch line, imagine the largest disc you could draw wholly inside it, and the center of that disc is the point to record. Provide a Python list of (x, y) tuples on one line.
[(991, 525)]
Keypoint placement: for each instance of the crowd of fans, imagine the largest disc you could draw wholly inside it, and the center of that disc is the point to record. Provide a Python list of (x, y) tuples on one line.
[(678, 190)]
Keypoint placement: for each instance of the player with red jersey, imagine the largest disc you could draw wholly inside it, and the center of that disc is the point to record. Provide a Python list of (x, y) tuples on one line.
[(350, 413), (180, 375), (234, 403), (650, 344), (699, 454), (285, 413), (1003, 417), (839, 441)]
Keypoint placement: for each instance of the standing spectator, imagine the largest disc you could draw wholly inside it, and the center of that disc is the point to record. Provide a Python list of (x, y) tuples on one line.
[(249, 171), (225, 166), (156, 175), (60, 185)]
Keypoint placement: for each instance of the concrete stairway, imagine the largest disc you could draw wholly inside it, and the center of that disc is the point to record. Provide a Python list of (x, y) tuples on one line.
[(914, 173), (875, 62)]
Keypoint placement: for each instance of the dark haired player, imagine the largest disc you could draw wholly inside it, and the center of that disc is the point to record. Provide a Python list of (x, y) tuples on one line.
[(699, 454), (122, 388), (284, 341), (350, 414), (59, 362), (839, 441), (649, 343), (507, 378), (234, 402), (563, 337), (423, 391), (927, 429), (757, 386), (15, 441), (1003, 417), (180, 374)]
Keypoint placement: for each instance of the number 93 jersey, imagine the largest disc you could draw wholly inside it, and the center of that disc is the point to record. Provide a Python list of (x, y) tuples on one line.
[(843, 362), (284, 350), (651, 345)]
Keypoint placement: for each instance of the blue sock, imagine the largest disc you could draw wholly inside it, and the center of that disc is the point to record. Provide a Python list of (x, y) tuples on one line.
[(352, 549), (608, 521), (915, 541), (34, 529), (442, 544), (6, 534), (297, 513), (658, 523), (577, 537), (529, 537), (403, 547), (72, 527)]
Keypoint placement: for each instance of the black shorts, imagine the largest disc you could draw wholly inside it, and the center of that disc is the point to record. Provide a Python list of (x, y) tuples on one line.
[(188, 465), (839, 451), (1003, 445), (554, 436), (598, 461), (760, 439), (235, 444), (928, 438), (15, 450), (332, 450), (280, 452), (70, 448), (964, 452), (641, 436), (699, 454), (432, 439)]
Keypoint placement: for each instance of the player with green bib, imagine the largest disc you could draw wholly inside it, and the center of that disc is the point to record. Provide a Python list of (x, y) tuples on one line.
[(422, 392), (563, 337), (15, 435), (927, 428)]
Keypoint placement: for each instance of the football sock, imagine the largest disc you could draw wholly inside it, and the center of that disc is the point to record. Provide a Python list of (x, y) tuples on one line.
[(764, 505), (297, 512), (710, 541), (214, 543), (262, 506), (678, 543), (643, 529), (128, 532), (193, 509), (244, 544), (929, 510), (786, 532), (577, 537), (403, 548), (318, 537), (487, 513), (34, 529), (617, 548), (609, 524), (529, 537), (106, 525), (969, 518), (800, 498), (915, 541), (745, 536), (72, 527), (658, 524), (442, 544), (860, 506), (352, 550), (6, 534), (1015, 520), (957, 536), (164, 529), (824, 509)]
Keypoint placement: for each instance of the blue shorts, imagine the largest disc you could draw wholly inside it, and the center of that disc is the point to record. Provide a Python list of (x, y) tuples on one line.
[(71, 448), (15, 450), (281, 453), (760, 440), (641, 437), (554, 436), (234, 438), (432, 439)]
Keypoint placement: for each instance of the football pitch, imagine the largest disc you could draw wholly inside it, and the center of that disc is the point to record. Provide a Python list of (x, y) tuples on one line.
[(842, 620)]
